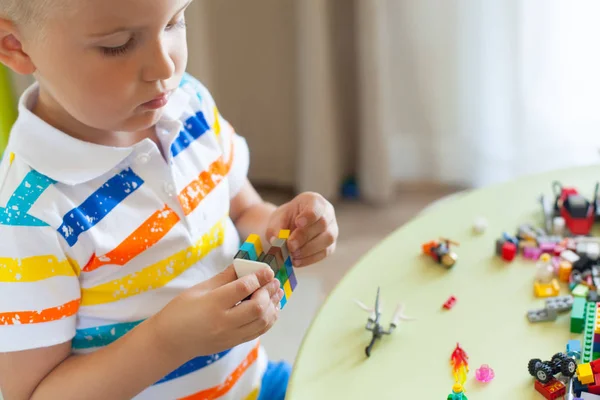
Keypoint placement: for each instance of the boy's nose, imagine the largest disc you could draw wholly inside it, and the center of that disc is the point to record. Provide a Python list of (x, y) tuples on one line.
[(160, 65)]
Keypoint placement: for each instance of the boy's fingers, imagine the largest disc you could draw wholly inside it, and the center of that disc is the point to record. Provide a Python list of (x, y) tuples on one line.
[(260, 326), (236, 291), (221, 279), (254, 307)]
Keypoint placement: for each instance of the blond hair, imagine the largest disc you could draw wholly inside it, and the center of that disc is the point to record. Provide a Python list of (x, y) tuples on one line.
[(23, 11)]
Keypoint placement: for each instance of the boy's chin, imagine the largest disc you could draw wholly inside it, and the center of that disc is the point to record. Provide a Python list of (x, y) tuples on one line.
[(144, 120)]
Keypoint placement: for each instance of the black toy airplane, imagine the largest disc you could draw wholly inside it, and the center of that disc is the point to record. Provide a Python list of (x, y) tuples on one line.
[(374, 326)]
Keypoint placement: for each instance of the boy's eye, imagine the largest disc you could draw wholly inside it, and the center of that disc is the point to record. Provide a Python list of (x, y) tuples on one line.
[(176, 25), (117, 51)]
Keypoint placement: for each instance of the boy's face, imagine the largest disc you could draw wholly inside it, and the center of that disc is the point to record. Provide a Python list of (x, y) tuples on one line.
[(110, 64)]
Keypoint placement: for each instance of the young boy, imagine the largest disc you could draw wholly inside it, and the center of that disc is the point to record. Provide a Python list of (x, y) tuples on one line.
[(123, 199)]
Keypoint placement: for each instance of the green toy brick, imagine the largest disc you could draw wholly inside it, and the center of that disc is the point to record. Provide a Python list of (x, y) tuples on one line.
[(578, 315), (588, 335), (282, 276)]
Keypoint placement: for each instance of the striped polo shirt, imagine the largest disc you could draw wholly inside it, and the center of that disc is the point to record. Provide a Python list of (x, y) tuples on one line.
[(96, 239)]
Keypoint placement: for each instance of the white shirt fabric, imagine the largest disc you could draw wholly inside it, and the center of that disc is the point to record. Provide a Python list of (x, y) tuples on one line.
[(96, 239)]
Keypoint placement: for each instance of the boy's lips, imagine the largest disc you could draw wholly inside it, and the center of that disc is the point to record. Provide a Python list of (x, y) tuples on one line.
[(158, 102)]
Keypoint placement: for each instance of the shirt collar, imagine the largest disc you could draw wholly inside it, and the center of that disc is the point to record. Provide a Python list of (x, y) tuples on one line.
[(63, 158)]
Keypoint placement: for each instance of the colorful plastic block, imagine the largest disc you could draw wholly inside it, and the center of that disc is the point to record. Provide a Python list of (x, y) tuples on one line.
[(587, 354), (532, 253), (249, 248), (578, 387), (564, 271), (585, 374), (552, 390), (287, 289), (595, 388), (574, 350), (293, 281), (551, 289), (578, 315), (580, 291), (595, 366), (255, 241), (509, 251), (283, 302), (284, 234)]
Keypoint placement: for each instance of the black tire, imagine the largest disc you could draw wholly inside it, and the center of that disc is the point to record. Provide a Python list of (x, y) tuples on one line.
[(533, 363), (568, 367), (543, 373), (560, 357)]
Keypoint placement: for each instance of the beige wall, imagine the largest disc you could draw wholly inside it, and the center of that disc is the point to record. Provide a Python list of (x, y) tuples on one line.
[(251, 73), (247, 54)]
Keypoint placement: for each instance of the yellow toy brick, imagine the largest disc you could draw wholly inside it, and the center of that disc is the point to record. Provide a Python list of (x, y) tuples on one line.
[(287, 288), (564, 271), (585, 374), (551, 289), (255, 240), (597, 327), (284, 234)]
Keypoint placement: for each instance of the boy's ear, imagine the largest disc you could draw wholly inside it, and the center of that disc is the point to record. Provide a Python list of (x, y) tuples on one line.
[(11, 50)]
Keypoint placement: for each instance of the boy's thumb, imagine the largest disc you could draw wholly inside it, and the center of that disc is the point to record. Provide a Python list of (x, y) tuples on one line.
[(224, 277)]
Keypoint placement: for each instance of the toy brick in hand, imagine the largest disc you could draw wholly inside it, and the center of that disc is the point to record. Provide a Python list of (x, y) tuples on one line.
[(251, 258)]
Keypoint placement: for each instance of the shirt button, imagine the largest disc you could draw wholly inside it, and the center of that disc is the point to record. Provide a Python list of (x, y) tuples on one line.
[(143, 158), (170, 189)]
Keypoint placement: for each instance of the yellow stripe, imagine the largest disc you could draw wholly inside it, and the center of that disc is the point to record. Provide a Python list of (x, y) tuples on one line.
[(157, 275), (253, 395), (33, 269)]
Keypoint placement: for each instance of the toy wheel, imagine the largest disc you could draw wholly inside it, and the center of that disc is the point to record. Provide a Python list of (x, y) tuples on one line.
[(533, 364), (568, 368), (543, 373)]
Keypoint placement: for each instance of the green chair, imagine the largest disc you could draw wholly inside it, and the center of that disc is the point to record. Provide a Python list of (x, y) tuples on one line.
[(8, 109)]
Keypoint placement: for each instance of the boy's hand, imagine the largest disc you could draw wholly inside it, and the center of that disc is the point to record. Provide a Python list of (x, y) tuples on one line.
[(313, 225), (207, 319)]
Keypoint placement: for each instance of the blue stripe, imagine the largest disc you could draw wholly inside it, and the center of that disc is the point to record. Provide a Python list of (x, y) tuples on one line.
[(21, 201), (104, 335), (99, 205), (101, 335), (193, 128), (193, 366)]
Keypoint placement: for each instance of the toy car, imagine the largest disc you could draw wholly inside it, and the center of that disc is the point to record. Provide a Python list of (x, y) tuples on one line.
[(544, 371), (579, 213), (440, 252)]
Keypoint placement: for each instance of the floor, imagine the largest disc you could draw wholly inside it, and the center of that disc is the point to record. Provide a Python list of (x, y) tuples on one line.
[(361, 227)]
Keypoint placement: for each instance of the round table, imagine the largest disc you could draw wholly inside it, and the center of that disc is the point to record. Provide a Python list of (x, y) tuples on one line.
[(489, 318)]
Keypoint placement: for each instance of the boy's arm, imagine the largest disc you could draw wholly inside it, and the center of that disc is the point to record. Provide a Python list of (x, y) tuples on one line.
[(152, 349), (250, 213), (130, 364)]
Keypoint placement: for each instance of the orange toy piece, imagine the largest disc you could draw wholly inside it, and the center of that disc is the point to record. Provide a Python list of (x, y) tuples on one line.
[(440, 251)]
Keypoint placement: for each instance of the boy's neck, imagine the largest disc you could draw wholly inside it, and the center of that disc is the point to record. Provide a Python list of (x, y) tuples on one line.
[(55, 115)]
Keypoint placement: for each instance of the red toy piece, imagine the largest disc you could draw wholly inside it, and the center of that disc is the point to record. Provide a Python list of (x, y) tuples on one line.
[(509, 251), (450, 303), (459, 360), (552, 390), (579, 213)]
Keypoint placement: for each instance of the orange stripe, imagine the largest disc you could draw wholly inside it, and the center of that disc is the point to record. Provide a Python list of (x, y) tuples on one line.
[(144, 237), (226, 386), (34, 317), (196, 191), (161, 222)]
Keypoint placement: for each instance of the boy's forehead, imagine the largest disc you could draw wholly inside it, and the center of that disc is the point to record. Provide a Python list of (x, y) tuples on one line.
[(101, 13)]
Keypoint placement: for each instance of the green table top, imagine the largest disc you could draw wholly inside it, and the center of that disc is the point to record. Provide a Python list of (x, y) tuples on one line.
[(489, 319)]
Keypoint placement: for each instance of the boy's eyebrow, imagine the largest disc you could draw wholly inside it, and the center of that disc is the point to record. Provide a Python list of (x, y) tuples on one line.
[(132, 28)]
